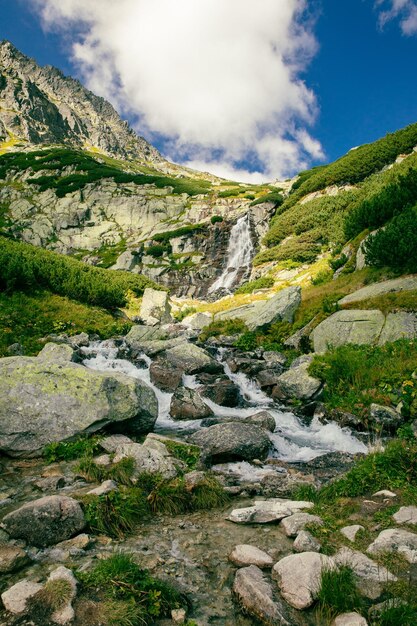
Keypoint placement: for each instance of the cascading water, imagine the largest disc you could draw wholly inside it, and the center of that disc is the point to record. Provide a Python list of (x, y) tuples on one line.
[(292, 440), (239, 255)]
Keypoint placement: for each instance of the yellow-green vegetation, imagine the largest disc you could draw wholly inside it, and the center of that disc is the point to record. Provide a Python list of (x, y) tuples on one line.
[(223, 327), (26, 317), (27, 267), (127, 594), (53, 596), (264, 282), (87, 169), (185, 452), (386, 379)]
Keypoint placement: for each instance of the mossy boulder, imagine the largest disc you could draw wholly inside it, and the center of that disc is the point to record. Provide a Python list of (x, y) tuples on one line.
[(49, 398)]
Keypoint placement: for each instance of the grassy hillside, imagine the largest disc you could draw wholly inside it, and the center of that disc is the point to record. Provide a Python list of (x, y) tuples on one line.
[(370, 195)]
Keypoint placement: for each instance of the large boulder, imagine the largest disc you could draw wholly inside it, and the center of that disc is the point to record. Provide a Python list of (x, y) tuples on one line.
[(354, 326), (370, 576), (406, 283), (197, 321), (165, 377), (187, 404), (396, 540), (191, 359), (232, 441), (400, 325), (299, 576), (46, 521), (281, 307), (48, 398), (222, 391), (155, 308), (151, 457)]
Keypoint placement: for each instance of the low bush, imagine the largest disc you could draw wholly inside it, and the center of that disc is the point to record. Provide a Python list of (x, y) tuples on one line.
[(216, 218), (264, 282), (27, 267), (157, 250), (275, 197), (69, 450), (179, 232), (116, 513)]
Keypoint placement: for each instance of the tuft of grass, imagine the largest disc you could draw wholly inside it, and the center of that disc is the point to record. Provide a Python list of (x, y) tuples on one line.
[(185, 452), (338, 592), (122, 613), (115, 513), (120, 579), (209, 494), (56, 593), (264, 282), (223, 327)]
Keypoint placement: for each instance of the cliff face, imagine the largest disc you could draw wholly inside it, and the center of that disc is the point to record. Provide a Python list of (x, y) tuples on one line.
[(39, 105)]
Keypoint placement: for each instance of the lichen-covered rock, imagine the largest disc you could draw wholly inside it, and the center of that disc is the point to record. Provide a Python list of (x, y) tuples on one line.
[(371, 576), (297, 383), (350, 326), (15, 599), (232, 441), (197, 321), (281, 307), (151, 457), (191, 359), (46, 521), (254, 594), (305, 542), (187, 404), (48, 398), (263, 419), (385, 415), (406, 283)]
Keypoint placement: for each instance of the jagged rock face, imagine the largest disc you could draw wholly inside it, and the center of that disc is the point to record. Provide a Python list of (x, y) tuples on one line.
[(40, 105)]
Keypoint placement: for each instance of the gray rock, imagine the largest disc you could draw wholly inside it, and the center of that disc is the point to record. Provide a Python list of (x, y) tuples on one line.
[(223, 391), (350, 326), (191, 359), (78, 341), (48, 398), (11, 558), (407, 283), (244, 555), (263, 419), (197, 321), (350, 532), (152, 456), (265, 511), (395, 540), (371, 576), (281, 307), (187, 404), (138, 335), (406, 515), (231, 442), (349, 619), (274, 358), (105, 487), (155, 308), (16, 598), (400, 325), (113, 442), (299, 577), (165, 377), (46, 521), (254, 594), (305, 542), (15, 349), (297, 383), (298, 521), (385, 415)]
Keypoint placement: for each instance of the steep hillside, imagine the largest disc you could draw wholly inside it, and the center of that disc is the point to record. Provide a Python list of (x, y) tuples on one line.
[(39, 105)]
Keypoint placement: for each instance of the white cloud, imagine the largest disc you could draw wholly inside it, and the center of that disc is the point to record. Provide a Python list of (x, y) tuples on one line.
[(218, 80), (403, 10)]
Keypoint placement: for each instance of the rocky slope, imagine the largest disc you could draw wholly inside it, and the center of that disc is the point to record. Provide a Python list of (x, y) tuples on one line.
[(39, 105)]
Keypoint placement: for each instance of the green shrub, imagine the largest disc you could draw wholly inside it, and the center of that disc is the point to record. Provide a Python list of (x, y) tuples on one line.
[(185, 452), (157, 250), (223, 327), (396, 245), (247, 341), (273, 196), (264, 282), (338, 262), (216, 218), (115, 513), (119, 578), (294, 250), (188, 310), (24, 266), (322, 277), (179, 232)]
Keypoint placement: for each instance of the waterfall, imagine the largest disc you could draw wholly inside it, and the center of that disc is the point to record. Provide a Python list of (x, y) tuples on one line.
[(239, 255)]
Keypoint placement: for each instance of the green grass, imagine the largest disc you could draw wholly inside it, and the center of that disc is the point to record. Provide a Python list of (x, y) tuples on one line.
[(187, 453), (179, 232), (116, 513), (338, 592), (386, 378), (69, 450), (264, 282), (223, 327), (119, 579), (27, 317)]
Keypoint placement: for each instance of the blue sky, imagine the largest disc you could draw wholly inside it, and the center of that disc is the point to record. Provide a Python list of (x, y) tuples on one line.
[(249, 90)]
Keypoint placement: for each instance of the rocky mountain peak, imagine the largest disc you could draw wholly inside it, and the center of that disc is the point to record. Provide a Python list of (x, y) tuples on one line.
[(40, 105)]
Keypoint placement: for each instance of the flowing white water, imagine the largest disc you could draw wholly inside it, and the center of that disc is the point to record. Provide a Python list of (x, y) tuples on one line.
[(239, 255), (292, 440)]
